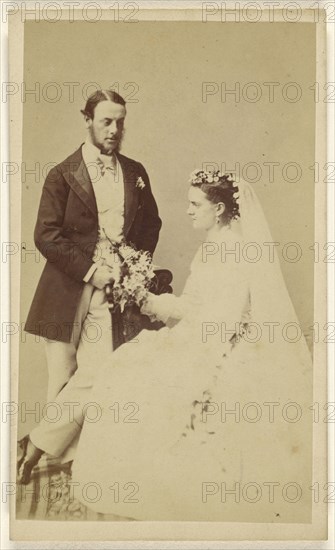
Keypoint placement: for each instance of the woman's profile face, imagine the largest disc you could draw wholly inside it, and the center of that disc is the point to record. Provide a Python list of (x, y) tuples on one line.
[(200, 209)]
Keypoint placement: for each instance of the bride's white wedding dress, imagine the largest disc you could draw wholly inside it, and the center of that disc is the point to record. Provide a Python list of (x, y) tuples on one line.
[(185, 417)]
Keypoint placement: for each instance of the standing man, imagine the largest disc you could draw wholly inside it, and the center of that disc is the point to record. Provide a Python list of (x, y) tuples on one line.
[(93, 196)]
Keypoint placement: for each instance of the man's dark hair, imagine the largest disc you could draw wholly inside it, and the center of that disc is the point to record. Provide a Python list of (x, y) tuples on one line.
[(97, 97)]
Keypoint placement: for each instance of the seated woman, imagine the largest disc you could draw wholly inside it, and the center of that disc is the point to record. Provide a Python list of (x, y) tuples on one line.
[(188, 412)]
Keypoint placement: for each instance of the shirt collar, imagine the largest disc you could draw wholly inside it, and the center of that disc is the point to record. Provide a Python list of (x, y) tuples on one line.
[(90, 151)]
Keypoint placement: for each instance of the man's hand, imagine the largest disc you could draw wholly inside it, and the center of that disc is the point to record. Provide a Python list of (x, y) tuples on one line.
[(102, 277)]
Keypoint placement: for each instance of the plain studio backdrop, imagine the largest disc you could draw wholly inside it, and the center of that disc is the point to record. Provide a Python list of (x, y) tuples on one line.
[(172, 128)]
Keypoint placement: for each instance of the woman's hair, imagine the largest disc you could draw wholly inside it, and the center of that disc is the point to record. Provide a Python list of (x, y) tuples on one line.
[(219, 187), (97, 97)]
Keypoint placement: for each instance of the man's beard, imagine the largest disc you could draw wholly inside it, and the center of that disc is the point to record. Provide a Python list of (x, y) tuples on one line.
[(104, 150), (118, 147)]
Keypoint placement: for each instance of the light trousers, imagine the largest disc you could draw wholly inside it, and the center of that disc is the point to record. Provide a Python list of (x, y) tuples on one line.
[(79, 362)]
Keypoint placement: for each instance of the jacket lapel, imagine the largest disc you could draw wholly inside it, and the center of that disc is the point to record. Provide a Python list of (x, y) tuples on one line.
[(79, 180), (131, 192)]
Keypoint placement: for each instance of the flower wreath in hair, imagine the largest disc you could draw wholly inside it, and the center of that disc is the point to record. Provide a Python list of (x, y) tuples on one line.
[(223, 181)]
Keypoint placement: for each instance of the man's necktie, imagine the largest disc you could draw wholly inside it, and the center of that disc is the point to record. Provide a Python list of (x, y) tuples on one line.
[(106, 163)]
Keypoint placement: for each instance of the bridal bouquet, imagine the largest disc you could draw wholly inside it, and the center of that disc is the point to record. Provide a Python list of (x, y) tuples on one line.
[(133, 272)]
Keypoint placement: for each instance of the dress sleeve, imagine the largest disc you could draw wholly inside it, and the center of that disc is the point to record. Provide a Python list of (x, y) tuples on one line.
[(162, 307), (169, 306), (215, 295)]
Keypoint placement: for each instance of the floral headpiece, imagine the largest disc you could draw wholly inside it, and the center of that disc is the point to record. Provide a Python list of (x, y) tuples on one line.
[(216, 178)]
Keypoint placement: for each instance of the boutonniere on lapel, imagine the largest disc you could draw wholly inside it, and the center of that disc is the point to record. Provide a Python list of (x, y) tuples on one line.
[(140, 183)]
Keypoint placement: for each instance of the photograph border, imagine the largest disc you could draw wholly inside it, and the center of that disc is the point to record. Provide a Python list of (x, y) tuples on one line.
[(171, 531)]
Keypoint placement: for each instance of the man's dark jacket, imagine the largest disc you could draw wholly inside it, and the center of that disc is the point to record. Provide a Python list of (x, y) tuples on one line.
[(66, 233)]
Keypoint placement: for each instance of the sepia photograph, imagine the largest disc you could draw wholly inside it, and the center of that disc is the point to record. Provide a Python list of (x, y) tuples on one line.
[(168, 249)]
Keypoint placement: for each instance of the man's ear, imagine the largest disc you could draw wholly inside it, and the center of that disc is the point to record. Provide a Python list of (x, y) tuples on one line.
[(87, 118), (88, 121)]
